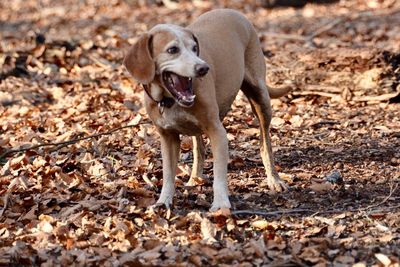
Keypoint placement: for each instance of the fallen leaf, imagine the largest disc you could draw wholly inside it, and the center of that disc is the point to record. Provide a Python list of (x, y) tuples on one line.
[(208, 231), (321, 187)]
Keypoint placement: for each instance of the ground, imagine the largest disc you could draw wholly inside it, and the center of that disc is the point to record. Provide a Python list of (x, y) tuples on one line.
[(80, 160)]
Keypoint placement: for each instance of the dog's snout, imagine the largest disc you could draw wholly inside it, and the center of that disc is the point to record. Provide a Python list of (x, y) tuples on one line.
[(201, 70)]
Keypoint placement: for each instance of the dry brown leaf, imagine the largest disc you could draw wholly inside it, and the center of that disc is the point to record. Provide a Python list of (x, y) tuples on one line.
[(208, 231), (321, 187), (277, 122), (260, 224)]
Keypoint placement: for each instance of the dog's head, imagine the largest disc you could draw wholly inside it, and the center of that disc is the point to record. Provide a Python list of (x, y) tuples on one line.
[(170, 53)]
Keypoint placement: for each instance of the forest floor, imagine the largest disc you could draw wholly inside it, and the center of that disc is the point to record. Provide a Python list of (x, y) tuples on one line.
[(80, 161)]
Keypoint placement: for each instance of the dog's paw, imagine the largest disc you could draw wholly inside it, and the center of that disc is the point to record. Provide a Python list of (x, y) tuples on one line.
[(220, 204), (159, 204), (275, 184), (166, 196), (164, 201)]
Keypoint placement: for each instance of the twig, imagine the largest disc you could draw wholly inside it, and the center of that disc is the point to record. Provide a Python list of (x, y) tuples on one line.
[(324, 28), (369, 13), (393, 188), (100, 62), (355, 209), (64, 143), (326, 88), (331, 95), (338, 97), (384, 97), (265, 213), (286, 36), (384, 210), (309, 38), (313, 212)]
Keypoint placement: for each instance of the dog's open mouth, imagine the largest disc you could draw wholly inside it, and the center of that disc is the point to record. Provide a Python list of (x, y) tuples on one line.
[(180, 88)]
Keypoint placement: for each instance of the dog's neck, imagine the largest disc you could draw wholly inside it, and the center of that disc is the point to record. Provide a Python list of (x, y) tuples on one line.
[(156, 93)]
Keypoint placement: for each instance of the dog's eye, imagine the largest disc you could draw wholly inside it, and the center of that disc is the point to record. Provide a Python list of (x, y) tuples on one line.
[(195, 49), (173, 50)]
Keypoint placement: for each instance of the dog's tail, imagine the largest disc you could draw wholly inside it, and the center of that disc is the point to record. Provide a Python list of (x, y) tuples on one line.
[(276, 92)]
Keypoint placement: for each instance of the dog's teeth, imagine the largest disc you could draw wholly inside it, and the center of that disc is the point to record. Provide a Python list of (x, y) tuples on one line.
[(188, 98)]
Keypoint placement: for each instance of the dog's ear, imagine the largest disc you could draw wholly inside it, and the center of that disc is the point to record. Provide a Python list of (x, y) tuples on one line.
[(139, 61), (197, 42)]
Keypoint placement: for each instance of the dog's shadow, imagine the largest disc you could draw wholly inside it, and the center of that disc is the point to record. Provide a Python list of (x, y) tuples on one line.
[(368, 172)]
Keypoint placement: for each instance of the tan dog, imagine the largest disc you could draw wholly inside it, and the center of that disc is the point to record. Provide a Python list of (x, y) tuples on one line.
[(191, 76)]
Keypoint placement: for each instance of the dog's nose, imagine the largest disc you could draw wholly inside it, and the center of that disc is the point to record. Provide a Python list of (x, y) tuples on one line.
[(201, 69)]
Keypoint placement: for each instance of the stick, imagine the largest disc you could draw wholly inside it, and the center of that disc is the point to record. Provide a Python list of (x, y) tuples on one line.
[(265, 213), (285, 36), (383, 97), (377, 98), (324, 28), (392, 190), (331, 95), (314, 213), (64, 143), (307, 39), (325, 88)]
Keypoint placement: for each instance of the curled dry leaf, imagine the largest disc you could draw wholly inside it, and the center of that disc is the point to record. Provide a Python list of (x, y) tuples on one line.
[(321, 187), (208, 231), (277, 122), (260, 224), (385, 260)]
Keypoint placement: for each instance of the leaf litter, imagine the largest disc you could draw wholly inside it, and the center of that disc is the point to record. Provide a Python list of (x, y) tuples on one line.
[(81, 163)]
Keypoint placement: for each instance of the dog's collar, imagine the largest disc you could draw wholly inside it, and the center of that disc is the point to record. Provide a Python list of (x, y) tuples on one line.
[(165, 102)]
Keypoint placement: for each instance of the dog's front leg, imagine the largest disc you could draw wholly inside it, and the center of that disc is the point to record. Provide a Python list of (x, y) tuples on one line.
[(170, 145), (219, 147)]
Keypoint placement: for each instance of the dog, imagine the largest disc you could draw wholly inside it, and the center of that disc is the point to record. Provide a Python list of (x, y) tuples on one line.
[(191, 76)]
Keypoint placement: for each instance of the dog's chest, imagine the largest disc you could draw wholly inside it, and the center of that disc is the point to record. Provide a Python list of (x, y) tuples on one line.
[(177, 119)]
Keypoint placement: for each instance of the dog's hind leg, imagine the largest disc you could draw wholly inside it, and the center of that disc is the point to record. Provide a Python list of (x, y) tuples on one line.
[(260, 104), (254, 87), (198, 159)]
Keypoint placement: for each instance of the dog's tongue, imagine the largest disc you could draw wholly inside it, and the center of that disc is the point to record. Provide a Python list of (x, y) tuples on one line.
[(181, 84)]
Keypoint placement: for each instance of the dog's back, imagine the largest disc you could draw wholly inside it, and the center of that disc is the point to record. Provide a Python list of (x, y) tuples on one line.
[(225, 37)]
